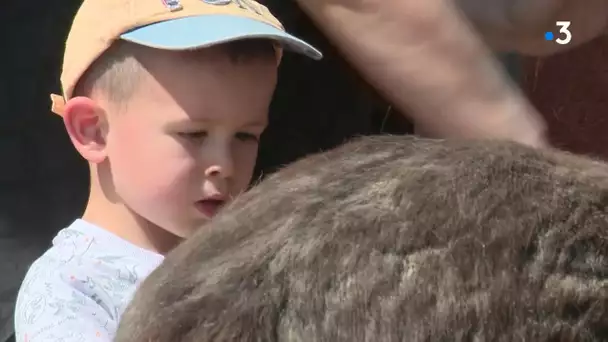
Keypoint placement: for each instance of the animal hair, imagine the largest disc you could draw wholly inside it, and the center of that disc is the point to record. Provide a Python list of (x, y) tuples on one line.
[(395, 239), (119, 70)]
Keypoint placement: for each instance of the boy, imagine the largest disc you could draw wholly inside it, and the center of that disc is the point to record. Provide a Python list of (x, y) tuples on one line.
[(395, 239), (166, 100)]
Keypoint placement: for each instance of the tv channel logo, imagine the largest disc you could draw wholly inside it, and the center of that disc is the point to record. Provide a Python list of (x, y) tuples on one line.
[(564, 35)]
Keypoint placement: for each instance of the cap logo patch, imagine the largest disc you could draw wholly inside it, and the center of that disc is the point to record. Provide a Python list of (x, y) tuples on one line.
[(172, 5), (217, 2), (244, 4)]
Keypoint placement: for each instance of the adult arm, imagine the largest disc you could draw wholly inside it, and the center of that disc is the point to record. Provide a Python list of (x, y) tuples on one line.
[(428, 62)]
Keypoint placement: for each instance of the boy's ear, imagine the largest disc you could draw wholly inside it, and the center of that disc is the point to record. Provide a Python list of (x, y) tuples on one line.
[(83, 120)]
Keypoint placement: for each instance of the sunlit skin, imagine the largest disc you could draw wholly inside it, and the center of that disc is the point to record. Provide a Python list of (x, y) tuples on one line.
[(183, 145)]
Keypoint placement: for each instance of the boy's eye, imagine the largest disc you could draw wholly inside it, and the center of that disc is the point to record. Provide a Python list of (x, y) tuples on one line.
[(247, 137), (193, 135)]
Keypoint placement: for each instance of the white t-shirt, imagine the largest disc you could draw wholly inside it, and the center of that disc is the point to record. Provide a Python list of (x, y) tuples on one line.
[(78, 289)]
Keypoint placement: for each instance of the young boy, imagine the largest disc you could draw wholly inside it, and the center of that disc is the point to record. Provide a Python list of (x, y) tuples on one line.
[(395, 239), (166, 100)]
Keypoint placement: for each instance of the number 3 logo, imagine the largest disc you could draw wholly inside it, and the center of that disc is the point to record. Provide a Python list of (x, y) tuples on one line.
[(563, 29)]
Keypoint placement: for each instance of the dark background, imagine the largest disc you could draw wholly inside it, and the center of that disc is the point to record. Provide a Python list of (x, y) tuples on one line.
[(41, 178), (571, 91), (43, 182)]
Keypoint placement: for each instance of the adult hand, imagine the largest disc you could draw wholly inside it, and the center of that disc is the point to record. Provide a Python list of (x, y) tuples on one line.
[(426, 59)]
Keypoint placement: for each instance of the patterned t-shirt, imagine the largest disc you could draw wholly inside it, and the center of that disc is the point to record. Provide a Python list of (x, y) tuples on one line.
[(78, 289)]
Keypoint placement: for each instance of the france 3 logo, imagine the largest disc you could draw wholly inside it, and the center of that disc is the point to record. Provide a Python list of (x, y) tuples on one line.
[(564, 35)]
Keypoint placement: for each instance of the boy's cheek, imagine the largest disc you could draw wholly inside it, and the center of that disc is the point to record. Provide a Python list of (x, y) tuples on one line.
[(246, 160)]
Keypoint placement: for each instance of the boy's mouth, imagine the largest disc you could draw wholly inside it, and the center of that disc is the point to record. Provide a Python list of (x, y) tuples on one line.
[(209, 207)]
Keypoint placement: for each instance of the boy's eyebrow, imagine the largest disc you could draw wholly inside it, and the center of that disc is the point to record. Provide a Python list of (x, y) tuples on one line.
[(189, 122)]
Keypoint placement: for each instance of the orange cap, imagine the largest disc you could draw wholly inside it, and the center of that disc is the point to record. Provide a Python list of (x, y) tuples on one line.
[(165, 24)]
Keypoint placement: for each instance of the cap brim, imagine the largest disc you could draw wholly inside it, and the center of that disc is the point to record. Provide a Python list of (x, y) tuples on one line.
[(208, 30)]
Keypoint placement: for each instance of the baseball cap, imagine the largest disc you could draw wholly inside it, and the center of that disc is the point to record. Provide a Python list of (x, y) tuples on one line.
[(166, 24)]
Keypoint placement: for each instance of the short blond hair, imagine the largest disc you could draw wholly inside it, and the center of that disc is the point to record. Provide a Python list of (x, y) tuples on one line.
[(118, 71)]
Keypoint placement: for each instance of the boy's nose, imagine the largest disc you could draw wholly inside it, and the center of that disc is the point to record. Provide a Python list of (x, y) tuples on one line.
[(221, 168)]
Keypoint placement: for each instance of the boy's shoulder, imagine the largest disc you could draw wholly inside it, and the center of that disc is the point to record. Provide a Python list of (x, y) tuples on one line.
[(87, 271), (84, 254)]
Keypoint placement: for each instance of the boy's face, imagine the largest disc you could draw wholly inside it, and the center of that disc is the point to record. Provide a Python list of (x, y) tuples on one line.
[(187, 139)]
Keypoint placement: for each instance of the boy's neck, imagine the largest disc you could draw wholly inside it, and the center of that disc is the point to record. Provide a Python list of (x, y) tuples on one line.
[(119, 220)]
